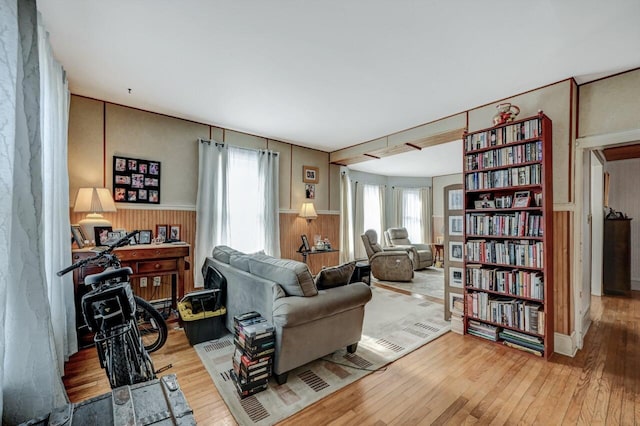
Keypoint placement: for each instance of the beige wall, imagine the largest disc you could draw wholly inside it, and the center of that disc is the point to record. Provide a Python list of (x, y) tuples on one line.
[(98, 130), (610, 105)]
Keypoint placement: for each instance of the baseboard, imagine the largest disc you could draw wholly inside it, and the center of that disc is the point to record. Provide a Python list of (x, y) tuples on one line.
[(586, 322), (565, 345)]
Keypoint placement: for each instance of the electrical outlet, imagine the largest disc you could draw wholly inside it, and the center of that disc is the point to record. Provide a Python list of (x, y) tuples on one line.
[(143, 282), (156, 281)]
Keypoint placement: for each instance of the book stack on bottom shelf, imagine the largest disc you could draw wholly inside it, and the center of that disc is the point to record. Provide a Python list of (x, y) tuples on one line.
[(255, 342), (524, 342)]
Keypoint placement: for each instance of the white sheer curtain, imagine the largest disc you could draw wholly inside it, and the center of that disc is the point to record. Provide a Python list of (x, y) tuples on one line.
[(412, 213), (269, 189), (412, 210), (237, 202), (346, 220), (427, 215), (29, 373), (54, 119), (212, 203), (369, 214)]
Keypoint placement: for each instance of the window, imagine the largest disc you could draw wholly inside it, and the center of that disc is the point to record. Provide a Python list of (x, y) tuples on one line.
[(245, 217), (412, 213), (372, 203)]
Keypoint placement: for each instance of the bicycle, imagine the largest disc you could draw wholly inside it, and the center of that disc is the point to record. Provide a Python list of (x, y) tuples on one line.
[(127, 328)]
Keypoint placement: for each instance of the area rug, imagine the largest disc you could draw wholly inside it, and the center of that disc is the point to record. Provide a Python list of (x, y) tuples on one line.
[(394, 325), (428, 282)]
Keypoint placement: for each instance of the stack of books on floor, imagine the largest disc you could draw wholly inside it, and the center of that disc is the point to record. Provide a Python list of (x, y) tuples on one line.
[(486, 331), (524, 342), (255, 342)]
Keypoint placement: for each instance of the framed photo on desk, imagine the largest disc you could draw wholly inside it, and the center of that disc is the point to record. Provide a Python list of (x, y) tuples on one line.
[(305, 243)]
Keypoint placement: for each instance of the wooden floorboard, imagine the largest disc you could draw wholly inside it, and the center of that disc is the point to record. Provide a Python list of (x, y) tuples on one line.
[(453, 380)]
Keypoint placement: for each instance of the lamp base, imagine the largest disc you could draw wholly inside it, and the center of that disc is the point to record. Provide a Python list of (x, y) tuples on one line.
[(88, 225)]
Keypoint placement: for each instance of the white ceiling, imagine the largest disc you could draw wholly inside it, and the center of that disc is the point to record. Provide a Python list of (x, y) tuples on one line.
[(331, 74)]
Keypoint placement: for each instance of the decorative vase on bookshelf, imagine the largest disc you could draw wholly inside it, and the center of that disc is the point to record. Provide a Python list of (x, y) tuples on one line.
[(508, 235), (506, 113)]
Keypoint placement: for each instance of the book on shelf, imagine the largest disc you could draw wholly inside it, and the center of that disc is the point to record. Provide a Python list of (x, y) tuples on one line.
[(523, 348)]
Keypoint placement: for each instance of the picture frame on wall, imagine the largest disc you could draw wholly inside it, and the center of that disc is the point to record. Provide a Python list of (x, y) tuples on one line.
[(310, 191), (455, 199), (136, 180), (310, 174), (456, 277), (456, 251), (455, 225)]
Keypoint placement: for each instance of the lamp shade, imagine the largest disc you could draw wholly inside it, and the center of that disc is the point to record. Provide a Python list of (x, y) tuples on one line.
[(308, 212), (93, 201)]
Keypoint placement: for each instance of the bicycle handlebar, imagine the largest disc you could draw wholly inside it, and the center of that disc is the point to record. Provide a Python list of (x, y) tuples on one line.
[(120, 243)]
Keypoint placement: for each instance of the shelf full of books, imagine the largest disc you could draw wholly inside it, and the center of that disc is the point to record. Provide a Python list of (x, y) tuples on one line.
[(508, 291)]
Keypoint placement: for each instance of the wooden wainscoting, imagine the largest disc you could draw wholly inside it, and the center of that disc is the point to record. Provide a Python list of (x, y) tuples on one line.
[(292, 226), (562, 274)]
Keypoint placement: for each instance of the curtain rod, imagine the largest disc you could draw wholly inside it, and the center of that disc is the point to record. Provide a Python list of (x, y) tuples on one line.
[(208, 142)]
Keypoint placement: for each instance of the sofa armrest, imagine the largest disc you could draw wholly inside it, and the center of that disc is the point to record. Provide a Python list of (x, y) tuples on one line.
[(296, 310), (425, 247)]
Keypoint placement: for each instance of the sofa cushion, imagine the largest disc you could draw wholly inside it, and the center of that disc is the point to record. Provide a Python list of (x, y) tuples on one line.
[(241, 261), (293, 276), (335, 276), (223, 253)]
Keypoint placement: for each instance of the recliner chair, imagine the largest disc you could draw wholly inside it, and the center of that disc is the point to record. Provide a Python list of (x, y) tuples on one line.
[(398, 239), (395, 265)]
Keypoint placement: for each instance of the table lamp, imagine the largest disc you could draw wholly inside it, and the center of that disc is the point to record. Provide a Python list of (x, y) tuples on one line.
[(94, 201), (307, 211)]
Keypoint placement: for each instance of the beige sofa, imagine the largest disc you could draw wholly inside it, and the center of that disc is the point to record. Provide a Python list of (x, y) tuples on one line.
[(309, 323)]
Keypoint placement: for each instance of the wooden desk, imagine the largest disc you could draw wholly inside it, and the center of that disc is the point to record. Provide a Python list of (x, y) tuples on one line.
[(145, 260)]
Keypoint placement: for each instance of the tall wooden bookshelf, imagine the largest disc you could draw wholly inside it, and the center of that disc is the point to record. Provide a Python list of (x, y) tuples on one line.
[(508, 235)]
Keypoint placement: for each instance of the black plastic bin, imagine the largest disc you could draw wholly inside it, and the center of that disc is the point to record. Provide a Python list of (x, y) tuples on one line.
[(201, 324)]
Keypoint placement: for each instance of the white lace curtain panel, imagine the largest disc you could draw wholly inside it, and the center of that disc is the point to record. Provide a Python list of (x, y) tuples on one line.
[(37, 326)]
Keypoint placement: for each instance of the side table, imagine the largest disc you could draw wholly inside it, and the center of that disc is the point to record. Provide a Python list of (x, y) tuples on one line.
[(362, 273)]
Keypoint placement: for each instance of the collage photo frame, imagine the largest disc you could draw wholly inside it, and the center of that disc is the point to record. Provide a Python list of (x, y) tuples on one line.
[(136, 180)]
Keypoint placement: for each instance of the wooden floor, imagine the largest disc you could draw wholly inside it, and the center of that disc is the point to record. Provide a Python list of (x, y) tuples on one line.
[(453, 380)]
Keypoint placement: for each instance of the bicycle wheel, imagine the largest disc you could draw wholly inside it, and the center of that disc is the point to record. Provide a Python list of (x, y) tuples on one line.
[(153, 329), (120, 371)]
